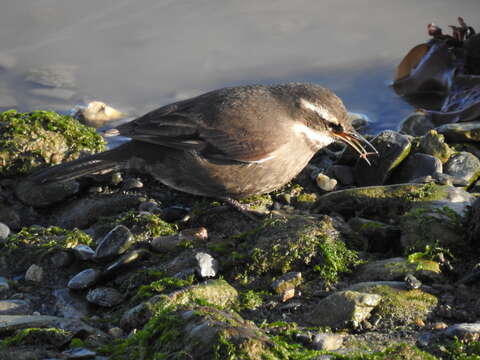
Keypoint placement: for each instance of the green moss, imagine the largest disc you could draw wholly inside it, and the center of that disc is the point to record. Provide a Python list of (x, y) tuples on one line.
[(251, 300), (165, 284), (460, 350), (38, 336), (29, 140), (394, 352), (258, 202), (51, 237)]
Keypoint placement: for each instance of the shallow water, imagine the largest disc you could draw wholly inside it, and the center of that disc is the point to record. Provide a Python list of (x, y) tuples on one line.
[(140, 54)]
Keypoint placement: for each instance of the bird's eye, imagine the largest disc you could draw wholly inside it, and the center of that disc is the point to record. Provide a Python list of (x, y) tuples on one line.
[(335, 127)]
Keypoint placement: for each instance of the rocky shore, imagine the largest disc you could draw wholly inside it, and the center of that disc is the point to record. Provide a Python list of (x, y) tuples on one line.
[(348, 261)]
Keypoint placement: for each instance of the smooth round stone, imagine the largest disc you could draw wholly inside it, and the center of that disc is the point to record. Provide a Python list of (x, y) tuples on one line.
[(132, 183), (45, 194), (393, 147), (412, 282), (4, 232), (325, 183), (104, 296), (174, 213), (83, 252), (34, 273), (207, 265), (416, 124), (463, 131), (15, 307), (463, 165), (79, 354), (327, 342), (127, 259), (115, 243), (416, 166), (84, 279)]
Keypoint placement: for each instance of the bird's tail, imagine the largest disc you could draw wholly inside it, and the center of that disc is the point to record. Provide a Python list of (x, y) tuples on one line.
[(111, 160)]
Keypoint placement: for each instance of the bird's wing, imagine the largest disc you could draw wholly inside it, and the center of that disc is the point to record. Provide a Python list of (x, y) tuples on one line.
[(186, 125)]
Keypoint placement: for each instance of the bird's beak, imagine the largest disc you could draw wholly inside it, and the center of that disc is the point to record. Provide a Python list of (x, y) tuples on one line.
[(356, 141)]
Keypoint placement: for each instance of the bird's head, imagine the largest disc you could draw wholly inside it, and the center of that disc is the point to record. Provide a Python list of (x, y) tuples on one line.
[(324, 119)]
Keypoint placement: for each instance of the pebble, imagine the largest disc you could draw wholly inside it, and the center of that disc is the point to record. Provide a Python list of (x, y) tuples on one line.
[(131, 184), (15, 307), (116, 242), (34, 273), (104, 296), (84, 279), (83, 252), (4, 232), (325, 183), (127, 259), (327, 342), (207, 265), (412, 282), (464, 166)]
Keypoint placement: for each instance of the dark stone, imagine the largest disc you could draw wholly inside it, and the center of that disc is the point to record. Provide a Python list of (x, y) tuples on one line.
[(104, 296), (116, 242), (416, 166), (380, 237), (463, 165)]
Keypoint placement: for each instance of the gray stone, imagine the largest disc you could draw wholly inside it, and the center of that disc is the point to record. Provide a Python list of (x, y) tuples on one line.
[(165, 243), (61, 258), (68, 305), (379, 237), (464, 330), (34, 273), (287, 281), (10, 323), (4, 232), (137, 316), (15, 307), (207, 265), (127, 259), (104, 296), (393, 147), (83, 252), (412, 282), (84, 279), (4, 286), (45, 194), (462, 131), (433, 143), (56, 75), (343, 173), (325, 183), (416, 124), (327, 342), (417, 165), (115, 243), (79, 354), (9, 216), (132, 183), (463, 165), (344, 308)]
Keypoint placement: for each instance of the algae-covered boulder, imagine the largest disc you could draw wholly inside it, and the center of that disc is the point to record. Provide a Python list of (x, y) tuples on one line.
[(38, 138)]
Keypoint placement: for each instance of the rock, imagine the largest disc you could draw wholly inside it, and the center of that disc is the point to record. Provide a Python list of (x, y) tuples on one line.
[(285, 285), (45, 194), (395, 269), (207, 265), (327, 342), (128, 259), (343, 308), (460, 132), (165, 243), (84, 279), (434, 144), (412, 282), (325, 183), (15, 307), (9, 216), (34, 273), (97, 114), (193, 236), (174, 213), (104, 296), (464, 331), (4, 232), (359, 121), (398, 306), (83, 252), (131, 184), (463, 165), (416, 124), (417, 165), (69, 305), (56, 75), (393, 148), (379, 237), (61, 258), (115, 243), (473, 224), (10, 323), (343, 173), (4, 286)]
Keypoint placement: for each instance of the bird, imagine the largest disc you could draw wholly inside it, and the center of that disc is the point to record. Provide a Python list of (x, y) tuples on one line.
[(227, 144)]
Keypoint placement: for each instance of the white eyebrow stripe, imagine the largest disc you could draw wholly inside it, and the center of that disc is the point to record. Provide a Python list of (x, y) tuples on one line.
[(317, 138), (320, 110)]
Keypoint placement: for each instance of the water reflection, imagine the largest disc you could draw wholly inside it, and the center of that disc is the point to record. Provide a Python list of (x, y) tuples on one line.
[(139, 54)]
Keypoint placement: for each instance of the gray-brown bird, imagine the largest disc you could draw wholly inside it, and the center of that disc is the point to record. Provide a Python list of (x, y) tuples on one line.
[(227, 144)]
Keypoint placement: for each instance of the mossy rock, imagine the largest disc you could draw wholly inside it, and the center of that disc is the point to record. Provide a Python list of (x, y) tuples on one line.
[(39, 138), (399, 306), (38, 336), (290, 243)]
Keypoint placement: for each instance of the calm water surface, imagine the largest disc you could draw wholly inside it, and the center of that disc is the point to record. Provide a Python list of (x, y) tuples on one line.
[(140, 54)]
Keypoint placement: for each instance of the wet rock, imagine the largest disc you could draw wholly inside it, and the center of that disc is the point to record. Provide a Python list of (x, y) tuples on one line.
[(167, 243), (115, 243), (104, 296), (395, 269), (327, 342), (4, 232), (47, 194), (83, 252), (344, 308), (464, 166), (325, 183), (416, 166), (15, 307), (61, 259), (285, 285), (9, 323), (9, 216), (207, 265), (131, 184), (459, 132), (343, 173), (68, 305), (379, 237), (97, 114), (130, 258), (86, 211), (79, 354), (412, 282), (84, 279), (174, 213), (464, 331), (359, 121), (398, 305), (56, 75), (34, 273), (393, 148), (416, 124), (434, 144), (115, 332), (55, 93)]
